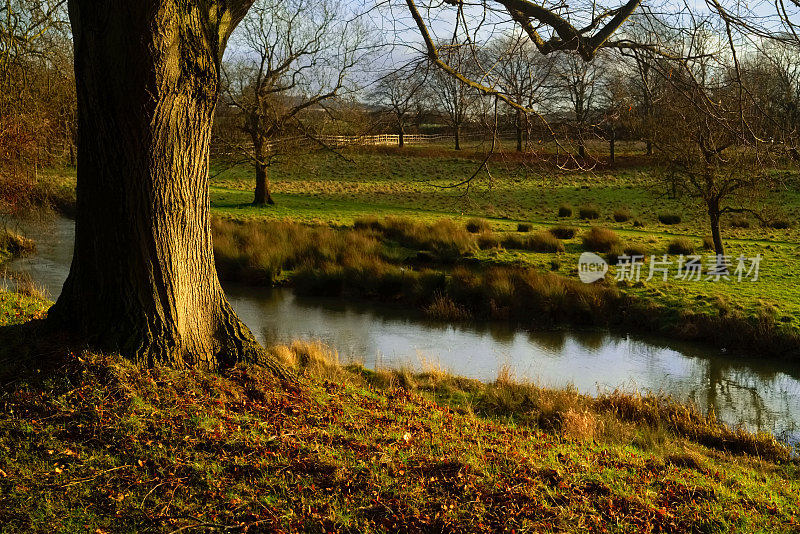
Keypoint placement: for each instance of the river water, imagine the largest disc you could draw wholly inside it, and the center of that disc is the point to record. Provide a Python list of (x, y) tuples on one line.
[(759, 394)]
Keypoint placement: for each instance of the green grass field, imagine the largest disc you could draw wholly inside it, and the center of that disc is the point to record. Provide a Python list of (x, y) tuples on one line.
[(324, 188)]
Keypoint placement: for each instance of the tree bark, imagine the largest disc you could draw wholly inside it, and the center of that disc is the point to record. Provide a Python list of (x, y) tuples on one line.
[(649, 148), (519, 130), (262, 196), (400, 136), (716, 234), (457, 136), (142, 280)]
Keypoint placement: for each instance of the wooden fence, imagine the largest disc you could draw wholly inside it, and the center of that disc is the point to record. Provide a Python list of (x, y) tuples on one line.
[(368, 140)]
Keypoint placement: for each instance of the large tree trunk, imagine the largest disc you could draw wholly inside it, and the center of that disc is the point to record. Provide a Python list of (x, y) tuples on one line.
[(519, 130), (142, 280), (457, 136), (401, 136)]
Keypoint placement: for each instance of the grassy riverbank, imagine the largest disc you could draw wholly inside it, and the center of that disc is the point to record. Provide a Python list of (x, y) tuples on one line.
[(99, 445), (451, 274), (102, 446)]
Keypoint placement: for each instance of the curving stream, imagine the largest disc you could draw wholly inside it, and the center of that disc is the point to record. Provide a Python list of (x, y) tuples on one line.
[(759, 394)]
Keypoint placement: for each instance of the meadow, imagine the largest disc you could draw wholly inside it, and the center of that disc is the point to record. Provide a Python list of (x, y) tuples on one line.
[(339, 190)]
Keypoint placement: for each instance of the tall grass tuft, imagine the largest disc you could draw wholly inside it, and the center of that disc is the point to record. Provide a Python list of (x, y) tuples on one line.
[(14, 244), (622, 215), (538, 242), (680, 245), (598, 239), (589, 211), (563, 232), (669, 218), (477, 226)]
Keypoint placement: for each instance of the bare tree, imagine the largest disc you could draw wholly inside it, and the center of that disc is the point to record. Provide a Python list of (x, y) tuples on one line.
[(710, 132), (583, 29), (291, 57), (580, 82), (400, 93), (523, 74), (36, 83), (452, 97)]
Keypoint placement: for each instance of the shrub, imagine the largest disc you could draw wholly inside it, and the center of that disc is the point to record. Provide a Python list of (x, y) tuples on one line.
[(600, 239), (565, 210), (634, 250), (622, 215), (669, 218), (488, 240), (708, 243), (477, 226), (524, 227), (544, 242), (680, 245), (563, 232), (589, 211), (740, 221), (779, 224), (638, 224)]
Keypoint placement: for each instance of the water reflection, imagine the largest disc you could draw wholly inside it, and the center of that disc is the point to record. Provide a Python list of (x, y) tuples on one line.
[(762, 395)]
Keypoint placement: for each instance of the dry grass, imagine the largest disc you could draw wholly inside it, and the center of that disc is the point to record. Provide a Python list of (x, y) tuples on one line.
[(477, 226), (622, 215), (444, 309), (257, 252), (538, 242), (589, 211), (669, 218), (15, 244), (444, 238), (563, 232), (598, 239), (681, 245)]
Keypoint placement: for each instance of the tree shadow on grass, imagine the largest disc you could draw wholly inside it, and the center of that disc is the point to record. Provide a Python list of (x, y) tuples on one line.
[(31, 349)]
